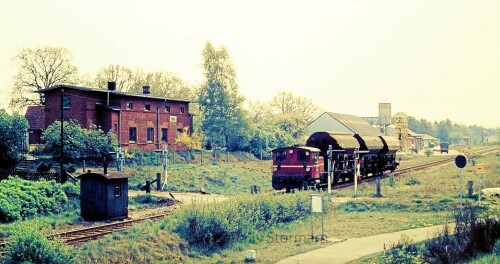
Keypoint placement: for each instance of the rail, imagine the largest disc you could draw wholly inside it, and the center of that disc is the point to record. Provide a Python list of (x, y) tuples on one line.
[(79, 236)]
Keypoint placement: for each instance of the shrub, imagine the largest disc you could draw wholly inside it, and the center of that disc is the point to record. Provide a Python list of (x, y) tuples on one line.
[(413, 181), (21, 199), (428, 152), (403, 252), (218, 225), (28, 245), (144, 199), (472, 236)]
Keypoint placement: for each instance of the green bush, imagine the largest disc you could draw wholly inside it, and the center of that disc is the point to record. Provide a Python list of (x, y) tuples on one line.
[(472, 236), (405, 251), (428, 152), (144, 199), (212, 226), (28, 245), (21, 199), (413, 181)]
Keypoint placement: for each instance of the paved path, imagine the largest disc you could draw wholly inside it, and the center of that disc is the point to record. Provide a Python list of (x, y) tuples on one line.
[(356, 248)]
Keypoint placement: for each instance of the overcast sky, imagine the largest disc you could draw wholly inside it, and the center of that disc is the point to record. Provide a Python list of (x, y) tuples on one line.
[(431, 59)]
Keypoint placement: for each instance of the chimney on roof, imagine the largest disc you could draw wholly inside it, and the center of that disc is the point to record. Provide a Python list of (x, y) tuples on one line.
[(145, 89), (112, 86)]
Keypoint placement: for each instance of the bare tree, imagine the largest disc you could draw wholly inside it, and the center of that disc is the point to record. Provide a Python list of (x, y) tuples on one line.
[(39, 69), (127, 80), (168, 85), (286, 103)]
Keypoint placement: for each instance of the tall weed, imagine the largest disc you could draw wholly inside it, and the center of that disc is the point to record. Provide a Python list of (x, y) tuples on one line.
[(214, 226), (28, 245)]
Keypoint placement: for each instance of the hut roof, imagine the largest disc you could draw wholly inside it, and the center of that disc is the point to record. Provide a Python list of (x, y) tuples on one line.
[(110, 175)]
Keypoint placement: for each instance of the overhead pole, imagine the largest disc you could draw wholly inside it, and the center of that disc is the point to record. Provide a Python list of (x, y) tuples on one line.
[(61, 165)]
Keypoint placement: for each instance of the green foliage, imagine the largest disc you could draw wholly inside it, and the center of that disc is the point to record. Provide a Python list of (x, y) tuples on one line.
[(28, 245), (144, 199), (428, 152), (13, 130), (211, 226), (446, 129), (266, 138), (223, 120), (190, 141), (473, 235), (78, 142), (412, 181), (20, 199), (405, 251)]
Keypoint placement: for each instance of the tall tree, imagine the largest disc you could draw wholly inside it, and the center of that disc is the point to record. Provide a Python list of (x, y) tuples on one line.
[(293, 113), (443, 130), (223, 121), (39, 69)]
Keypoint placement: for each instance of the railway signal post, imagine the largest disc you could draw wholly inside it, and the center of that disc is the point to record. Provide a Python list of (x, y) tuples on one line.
[(330, 155), (480, 173), (164, 156), (357, 169), (460, 162)]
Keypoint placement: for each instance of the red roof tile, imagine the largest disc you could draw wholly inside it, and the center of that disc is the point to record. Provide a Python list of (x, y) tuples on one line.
[(35, 115)]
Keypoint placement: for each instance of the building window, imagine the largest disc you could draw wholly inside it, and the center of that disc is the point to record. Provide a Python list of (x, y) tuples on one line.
[(115, 127), (130, 106), (147, 107), (164, 134), (167, 109), (132, 136), (118, 190), (150, 132), (67, 101), (182, 110)]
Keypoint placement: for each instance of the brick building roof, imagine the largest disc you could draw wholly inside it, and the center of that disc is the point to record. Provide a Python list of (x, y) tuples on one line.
[(35, 115), (86, 89)]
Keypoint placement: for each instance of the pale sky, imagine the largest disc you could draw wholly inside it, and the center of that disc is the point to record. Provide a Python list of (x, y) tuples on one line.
[(433, 59)]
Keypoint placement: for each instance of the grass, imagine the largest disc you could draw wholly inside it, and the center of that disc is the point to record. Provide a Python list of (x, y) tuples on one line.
[(429, 201), (217, 178)]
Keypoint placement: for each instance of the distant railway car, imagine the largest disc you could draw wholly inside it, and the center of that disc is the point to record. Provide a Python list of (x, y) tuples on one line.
[(296, 167), (444, 147), (361, 156)]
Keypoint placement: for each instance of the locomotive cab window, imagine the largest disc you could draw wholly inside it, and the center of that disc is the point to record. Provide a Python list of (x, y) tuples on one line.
[(303, 155), (280, 156)]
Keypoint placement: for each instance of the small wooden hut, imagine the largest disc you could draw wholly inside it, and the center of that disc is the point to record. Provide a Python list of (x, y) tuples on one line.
[(103, 196)]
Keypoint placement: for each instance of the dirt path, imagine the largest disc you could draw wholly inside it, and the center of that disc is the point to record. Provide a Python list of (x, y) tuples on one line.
[(183, 197)]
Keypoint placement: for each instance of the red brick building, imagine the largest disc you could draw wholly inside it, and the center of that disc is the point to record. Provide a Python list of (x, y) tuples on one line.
[(139, 121)]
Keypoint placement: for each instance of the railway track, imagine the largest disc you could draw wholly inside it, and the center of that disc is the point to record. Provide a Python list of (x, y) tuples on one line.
[(82, 235), (420, 167), (79, 236)]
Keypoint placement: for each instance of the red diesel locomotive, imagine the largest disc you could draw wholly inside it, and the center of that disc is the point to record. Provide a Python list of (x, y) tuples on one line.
[(295, 167)]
